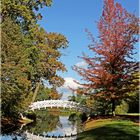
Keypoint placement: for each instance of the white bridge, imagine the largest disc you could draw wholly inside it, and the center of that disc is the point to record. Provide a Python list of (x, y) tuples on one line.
[(56, 103), (53, 103)]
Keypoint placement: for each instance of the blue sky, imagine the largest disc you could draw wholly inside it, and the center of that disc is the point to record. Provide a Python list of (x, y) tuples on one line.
[(70, 18)]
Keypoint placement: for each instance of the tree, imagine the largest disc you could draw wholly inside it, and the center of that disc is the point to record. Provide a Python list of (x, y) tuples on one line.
[(43, 93), (122, 108), (44, 59), (30, 55), (15, 87), (54, 95), (24, 12), (23, 71), (109, 71), (133, 92), (78, 96)]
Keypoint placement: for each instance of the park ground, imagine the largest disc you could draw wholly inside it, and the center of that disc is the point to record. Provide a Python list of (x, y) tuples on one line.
[(112, 128)]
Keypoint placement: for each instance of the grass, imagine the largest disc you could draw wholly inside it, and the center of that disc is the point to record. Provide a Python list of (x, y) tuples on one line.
[(110, 129), (133, 114)]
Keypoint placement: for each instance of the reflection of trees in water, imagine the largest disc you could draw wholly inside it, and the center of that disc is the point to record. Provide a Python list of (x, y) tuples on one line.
[(45, 122), (49, 121), (73, 118), (76, 121)]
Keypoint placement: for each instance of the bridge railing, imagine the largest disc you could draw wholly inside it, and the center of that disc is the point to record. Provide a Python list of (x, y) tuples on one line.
[(53, 103), (58, 104)]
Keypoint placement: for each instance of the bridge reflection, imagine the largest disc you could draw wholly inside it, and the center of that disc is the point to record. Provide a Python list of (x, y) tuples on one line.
[(32, 136)]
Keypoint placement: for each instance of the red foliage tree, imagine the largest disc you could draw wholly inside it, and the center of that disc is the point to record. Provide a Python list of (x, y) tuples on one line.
[(110, 68)]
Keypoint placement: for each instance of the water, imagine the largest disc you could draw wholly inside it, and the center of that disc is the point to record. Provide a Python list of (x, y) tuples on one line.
[(49, 125)]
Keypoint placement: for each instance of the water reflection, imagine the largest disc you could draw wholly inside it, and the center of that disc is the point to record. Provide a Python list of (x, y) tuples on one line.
[(48, 124)]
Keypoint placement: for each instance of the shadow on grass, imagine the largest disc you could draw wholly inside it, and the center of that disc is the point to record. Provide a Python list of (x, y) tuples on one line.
[(111, 132)]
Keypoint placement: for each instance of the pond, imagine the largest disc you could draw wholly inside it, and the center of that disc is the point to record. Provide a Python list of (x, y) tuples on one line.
[(49, 125)]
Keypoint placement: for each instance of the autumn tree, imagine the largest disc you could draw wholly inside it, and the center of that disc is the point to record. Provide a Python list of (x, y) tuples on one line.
[(109, 70), (44, 59), (54, 95), (30, 55)]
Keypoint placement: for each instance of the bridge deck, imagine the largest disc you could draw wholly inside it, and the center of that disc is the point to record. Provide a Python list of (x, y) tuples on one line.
[(58, 104)]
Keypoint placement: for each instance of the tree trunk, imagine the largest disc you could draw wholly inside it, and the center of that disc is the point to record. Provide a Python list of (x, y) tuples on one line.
[(36, 91), (113, 107)]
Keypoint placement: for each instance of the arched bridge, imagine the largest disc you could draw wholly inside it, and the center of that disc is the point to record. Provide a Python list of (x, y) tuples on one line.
[(53, 103), (56, 103)]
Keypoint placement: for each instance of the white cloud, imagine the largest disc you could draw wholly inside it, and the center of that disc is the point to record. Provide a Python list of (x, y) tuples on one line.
[(81, 64), (69, 82)]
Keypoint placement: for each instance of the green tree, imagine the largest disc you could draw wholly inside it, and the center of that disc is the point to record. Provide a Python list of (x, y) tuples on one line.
[(24, 12), (43, 93), (78, 96), (15, 83), (133, 94), (45, 59), (29, 54), (122, 108)]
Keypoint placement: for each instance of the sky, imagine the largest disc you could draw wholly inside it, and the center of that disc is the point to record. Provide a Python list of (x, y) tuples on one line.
[(71, 18)]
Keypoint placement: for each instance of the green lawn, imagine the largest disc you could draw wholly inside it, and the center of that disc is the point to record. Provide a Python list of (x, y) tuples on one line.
[(133, 114), (110, 129)]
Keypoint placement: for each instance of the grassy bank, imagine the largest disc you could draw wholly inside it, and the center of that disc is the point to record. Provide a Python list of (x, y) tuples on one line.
[(110, 129)]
